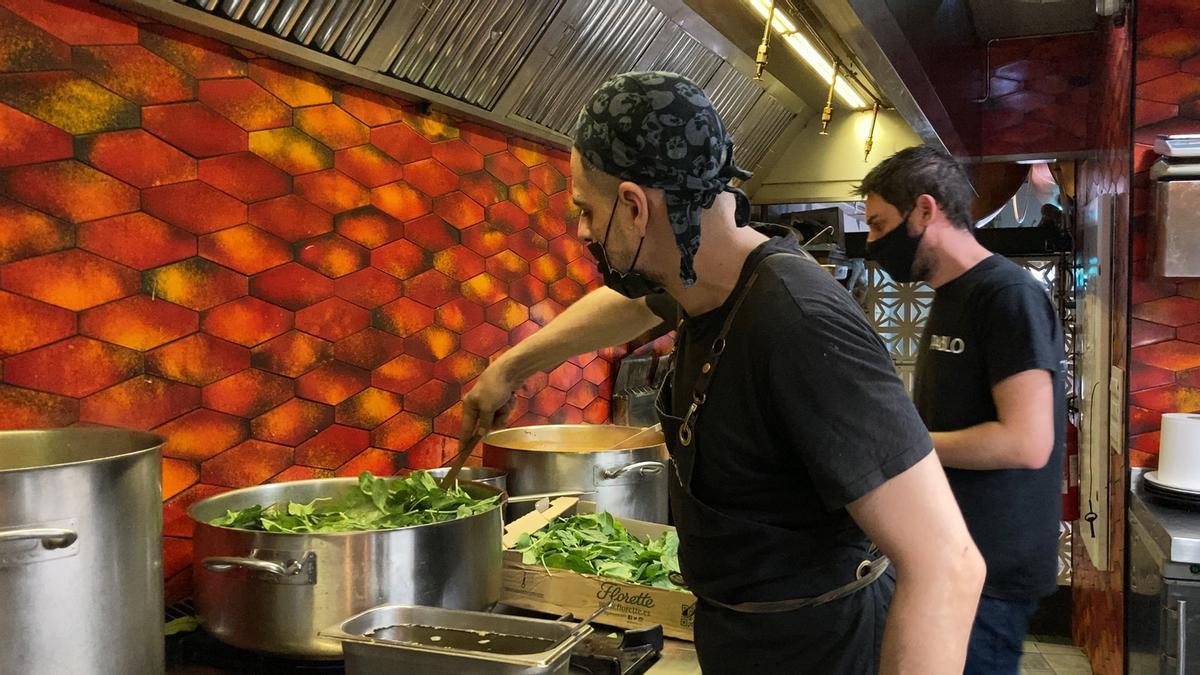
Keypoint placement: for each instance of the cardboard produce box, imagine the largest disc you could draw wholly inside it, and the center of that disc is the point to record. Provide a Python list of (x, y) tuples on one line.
[(558, 591)]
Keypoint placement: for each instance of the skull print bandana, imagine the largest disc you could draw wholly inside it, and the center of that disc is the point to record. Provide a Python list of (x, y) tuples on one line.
[(660, 130)]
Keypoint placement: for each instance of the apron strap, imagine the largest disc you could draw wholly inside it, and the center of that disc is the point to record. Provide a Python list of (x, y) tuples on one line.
[(868, 573)]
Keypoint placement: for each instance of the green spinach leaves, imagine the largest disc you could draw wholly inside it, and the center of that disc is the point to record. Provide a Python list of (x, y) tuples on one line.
[(596, 543)]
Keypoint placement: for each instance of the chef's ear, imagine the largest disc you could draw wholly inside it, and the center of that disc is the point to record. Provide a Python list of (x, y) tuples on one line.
[(925, 211), (631, 197)]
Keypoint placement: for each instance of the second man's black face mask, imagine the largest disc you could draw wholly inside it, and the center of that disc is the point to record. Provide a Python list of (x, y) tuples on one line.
[(896, 252), (629, 283)]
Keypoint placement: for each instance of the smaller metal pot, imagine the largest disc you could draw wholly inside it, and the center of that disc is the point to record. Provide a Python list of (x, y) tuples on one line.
[(480, 474)]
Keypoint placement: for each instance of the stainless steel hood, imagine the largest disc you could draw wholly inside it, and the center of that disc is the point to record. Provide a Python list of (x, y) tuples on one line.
[(524, 65)]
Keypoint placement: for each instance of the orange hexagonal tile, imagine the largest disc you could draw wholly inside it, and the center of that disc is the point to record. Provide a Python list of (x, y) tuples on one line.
[(597, 371), (548, 401), (244, 103), (291, 423), (567, 248), (368, 348), (332, 382), (28, 140), (401, 432), (460, 367), (177, 476), (458, 156), (371, 107), (333, 255), (28, 233), (507, 168), (378, 462), (194, 206), (68, 101), (135, 239), (368, 165), (249, 463), (507, 266), (246, 176), (195, 283), (291, 150), (1142, 377), (431, 398), (369, 408), (176, 523), (432, 451), (1168, 399), (291, 354), (566, 376), (142, 402), (403, 317), (528, 244), (431, 124), (528, 152), (431, 233), (516, 335), (527, 290), (401, 143), (484, 188), (135, 73), (72, 279), (293, 85), (544, 312), (449, 422), (582, 271), (484, 139), (369, 288), (1175, 355), (292, 286), (139, 322), (69, 190), (582, 394), (75, 367), (332, 190), (548, 268), (1171, 311), (245, 248), (248, 393), (401, 200), (596, 412), (430, 177), (548, 179), (30, 48), (297, 472), (528, 197), (332, 126), (484, 289), (368, 226), (507, 314), (484, 340), (458, 209), (548, 224), (29, 324), (196, 55), (27, 409), (458, 263), (459, 315), (431, 288), (509, 216), (568, 414), (402, 374), (401, 259), (194, 128), (78, 22), (198, 360), (432, 343), (290, 217), (332, 319), (332, 447), (247, 321), (486, 239)]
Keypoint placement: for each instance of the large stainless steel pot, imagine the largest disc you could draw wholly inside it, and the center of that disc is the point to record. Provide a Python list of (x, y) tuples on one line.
[(631, 483), (273, 592), (81, 582), (480, 474)]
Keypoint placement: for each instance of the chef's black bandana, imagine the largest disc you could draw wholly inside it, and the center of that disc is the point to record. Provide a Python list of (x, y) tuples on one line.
[(659, 130)]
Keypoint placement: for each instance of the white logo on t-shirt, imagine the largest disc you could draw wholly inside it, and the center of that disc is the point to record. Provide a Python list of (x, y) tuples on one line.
[(945, 343)]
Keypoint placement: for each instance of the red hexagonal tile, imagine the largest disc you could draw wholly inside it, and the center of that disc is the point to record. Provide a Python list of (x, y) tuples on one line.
[(596, 412), (458, 209), (547, 268), (507, 314), (293, 286), (291, 354), (247, 321), (291, 150), (402, 374), (28, 233), (430, 177), (1179, 43), (509, 216), (332, 319), (516, 335), (141, 402), (548, 224), (332, 447), (293, 85), (332, 382), (1142, 377), (244, 103), (401, 200), (1146, 333), (1175, 355), (528, 244), (597, 371), (527, 290), (484, 340), (458, 263), (1172, 311), (484, 289), (1143, 421), (582, 271), (332, 126), (369, 288), (69, 190), (508, 266), (368, 348), (483, 187), (72, 279), (333, 256), (484, 139), (486, 239), (139, 322), (196, 55), (507, 168), (369, 408), (548, 401), (245, 249), (135, 73), (376, 461), (371, 107), (195, 283), (582, 394), (292, 423), (403, 317), (368, 165), (68, 101), (29, 324), (567, 248), (199, 359), (566, 376), (201, 434), (137, 158), (27, 409), (433, 451), (194, 206), (458, 156), (401, 432), (432, 343), (296, 472), (547, 178), (368, 226), (137, 240), (528, 197), (401, 143), (332, 190), (1176, 88), (28, 140), (176, 523), (248, 393), (249, 463), (401, 259), (431, 124), (530, 153), (177, 553), (246, 176), (567, 414), (431, 288), (459, 315), (431, 233), (290, 217), (1168, 399), (75, 367), (1189, 333), (431, 398), (30, 48)]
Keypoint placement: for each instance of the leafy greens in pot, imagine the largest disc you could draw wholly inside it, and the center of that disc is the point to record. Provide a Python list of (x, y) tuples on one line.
[(596, 543), (377, 504)]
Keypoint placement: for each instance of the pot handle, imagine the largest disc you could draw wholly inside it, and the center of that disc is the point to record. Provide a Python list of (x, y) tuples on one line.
[(646, 468), (227, 563), (52, 537)]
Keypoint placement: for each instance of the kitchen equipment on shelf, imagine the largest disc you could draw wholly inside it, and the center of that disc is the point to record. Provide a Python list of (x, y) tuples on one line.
[(628, 482), (272, 592), (1177, 179), (81, 579), (1179, 452)]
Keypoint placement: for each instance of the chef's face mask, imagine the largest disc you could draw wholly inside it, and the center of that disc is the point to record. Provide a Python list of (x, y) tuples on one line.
[(629, 283), (896, 251)]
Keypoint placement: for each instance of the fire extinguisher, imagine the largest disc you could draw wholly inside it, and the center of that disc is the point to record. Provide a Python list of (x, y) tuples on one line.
[(1070, 484)]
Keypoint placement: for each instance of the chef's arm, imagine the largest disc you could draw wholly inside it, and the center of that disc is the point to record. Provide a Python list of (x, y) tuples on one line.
[(602, 318), (1021, 438), (914, 519)]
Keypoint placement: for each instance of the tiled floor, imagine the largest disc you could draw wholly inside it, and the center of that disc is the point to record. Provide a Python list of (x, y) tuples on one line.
[(1053, 656)]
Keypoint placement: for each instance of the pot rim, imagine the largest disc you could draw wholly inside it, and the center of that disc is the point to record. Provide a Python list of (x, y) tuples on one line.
[(151, 443), (488, 443)]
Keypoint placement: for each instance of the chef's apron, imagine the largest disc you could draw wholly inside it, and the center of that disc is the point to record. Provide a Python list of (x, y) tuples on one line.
[(774, 618)]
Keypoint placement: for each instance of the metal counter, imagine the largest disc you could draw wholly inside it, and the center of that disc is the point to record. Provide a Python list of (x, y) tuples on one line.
[(678, 658), (1175, 531)]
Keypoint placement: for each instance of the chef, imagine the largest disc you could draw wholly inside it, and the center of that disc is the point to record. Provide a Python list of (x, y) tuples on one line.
[(794, 448)]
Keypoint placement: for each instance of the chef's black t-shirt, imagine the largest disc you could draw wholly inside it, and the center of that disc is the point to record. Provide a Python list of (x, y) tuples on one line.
[(993, 322)]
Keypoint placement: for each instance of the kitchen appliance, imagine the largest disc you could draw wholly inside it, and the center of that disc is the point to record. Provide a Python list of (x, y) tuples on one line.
[(629, 483), (1162, 629), (1177, 175), (272, 592), (1179, 451), (81, 585)]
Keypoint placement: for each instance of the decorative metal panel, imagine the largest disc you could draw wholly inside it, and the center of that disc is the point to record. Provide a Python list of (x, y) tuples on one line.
[(898, 312), (760, 130), (733, 95), (686, 56), (471, 49), (609, 38)]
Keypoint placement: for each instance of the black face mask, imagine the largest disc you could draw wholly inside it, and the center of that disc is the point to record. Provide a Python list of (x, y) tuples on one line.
[(629, 283), (896, 252)]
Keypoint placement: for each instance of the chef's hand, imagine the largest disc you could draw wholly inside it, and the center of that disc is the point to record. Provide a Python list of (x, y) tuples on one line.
[(489, 403)]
